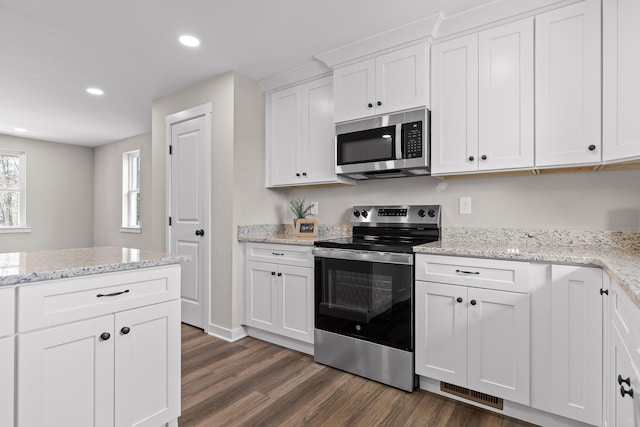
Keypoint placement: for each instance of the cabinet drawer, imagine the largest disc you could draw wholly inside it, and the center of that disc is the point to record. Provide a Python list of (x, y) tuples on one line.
[(60, 301), (7, 311), (280, 254), (510, 276), (625, 315)]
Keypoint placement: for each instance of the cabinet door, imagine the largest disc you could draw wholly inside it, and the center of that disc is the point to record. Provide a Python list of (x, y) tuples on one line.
[(498, 340), (7, 377), (624, 410), (621, 68), (147, 365), (576, 343), (353, 91), (318, 143), (261, 296), (441, 332), (454, 114), (401, 79), (65, 375), (295, 297), (285, 133), (568, 85), (506, 96)]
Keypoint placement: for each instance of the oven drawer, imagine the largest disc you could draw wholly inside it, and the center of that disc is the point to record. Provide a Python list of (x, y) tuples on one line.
[(298, 255), (474, 272)]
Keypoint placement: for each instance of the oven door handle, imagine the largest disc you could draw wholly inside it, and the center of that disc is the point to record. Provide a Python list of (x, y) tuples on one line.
[(370, 256)]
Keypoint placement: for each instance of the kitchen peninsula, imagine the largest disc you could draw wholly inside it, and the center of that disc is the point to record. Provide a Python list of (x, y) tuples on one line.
[(90, 335)]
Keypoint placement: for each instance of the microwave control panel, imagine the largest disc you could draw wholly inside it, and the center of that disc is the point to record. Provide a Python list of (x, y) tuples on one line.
[(412, 140)]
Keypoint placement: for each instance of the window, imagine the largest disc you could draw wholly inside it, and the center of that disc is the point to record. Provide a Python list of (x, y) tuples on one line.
[(131, 191), (12, 190)]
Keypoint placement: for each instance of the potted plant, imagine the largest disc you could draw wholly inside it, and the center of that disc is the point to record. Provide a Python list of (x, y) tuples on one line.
[(299, 209)]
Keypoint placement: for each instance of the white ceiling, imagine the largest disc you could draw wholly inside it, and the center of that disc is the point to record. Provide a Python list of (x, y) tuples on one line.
[(51, 51)]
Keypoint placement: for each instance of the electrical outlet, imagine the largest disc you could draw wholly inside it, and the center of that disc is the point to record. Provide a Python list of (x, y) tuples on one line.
[(314, 209), (465, 205)]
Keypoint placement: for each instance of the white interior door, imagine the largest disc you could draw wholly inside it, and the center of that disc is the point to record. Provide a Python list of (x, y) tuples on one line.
[(189, 213)]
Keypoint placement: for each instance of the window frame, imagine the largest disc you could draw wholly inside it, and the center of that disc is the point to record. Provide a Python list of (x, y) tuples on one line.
[(131, 221), (21, 190)]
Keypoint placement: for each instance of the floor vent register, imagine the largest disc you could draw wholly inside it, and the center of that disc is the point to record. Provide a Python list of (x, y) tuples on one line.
[(465, 393)]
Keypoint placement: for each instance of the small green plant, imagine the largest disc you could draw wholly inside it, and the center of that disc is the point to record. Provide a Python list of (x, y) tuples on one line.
[(298, 208)]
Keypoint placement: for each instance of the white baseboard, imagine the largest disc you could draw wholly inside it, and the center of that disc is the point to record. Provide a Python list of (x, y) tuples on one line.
[(290, 343), (229, 335)]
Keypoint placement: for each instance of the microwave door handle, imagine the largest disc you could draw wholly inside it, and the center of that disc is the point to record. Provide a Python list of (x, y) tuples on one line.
[(398, 141)]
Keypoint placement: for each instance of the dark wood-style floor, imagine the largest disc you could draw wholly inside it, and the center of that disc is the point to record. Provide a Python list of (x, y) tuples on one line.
[(254, 383)]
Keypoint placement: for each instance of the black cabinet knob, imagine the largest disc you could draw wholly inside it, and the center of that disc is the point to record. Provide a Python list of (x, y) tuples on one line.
[(379, 103), (459, 299), (199, 232), (473, 302), (370, 105), (273, 273), (624, 392), (484, 157), (297, 174), (471, 158), (279, 274), (105, 336), (125, 330), (625, 380), (304, 174), (592, 147)]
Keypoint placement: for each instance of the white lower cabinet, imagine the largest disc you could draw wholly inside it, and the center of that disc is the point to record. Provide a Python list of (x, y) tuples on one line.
[(278, 295), (7, 362), (576, 343), (469, 336), (120, 368)]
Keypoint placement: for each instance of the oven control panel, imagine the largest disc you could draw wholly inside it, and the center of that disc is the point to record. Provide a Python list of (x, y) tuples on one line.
[(409, 214)]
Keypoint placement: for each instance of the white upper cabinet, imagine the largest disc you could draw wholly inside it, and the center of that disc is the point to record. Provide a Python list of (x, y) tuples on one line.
[(621, 68), (568, 129), (482, 101), (391, 82), (300, 135)]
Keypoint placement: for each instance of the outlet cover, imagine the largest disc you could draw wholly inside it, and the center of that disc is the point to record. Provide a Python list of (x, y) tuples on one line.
[(314, 209), (465, 205)]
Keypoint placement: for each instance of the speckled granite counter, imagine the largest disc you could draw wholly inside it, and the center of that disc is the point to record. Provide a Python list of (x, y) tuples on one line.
[(28, 267), (285, 234), (618, 253)]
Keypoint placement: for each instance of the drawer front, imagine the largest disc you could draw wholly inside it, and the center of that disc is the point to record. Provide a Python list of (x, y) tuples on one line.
[(510, 276), (280, 254), (60, 301), (7, 311), (625, 315)]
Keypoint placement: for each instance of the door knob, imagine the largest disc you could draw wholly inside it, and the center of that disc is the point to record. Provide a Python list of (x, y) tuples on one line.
[(199, 232)]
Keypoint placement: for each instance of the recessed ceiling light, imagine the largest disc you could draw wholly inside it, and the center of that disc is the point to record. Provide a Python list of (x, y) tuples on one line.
[(95, 91), (22, 130), (189, 41)]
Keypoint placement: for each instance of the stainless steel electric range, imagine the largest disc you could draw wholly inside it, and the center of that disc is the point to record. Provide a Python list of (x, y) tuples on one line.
[(364, 297)]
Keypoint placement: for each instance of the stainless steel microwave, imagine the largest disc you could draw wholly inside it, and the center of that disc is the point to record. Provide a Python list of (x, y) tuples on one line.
[(389, 146)]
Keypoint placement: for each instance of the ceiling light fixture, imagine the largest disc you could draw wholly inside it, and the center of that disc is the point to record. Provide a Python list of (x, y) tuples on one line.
[(95, 91), (21, 130), (190, 41)]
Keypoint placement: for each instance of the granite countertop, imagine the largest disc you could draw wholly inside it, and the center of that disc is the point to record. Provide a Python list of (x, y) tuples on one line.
[(28, 267), (285, 234)]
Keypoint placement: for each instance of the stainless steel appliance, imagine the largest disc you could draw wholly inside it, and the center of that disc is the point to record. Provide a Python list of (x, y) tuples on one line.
[(387, 146), (364, 293)]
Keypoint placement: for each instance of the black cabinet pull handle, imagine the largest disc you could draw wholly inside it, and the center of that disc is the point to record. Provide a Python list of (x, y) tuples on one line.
[(105, 336), (624, 392), (592, 147), (459, 299), (483, 157), (125, 330), (370, 105), (625, 380), (473, 302), (467, 272), (113, 294), (604, 291), (277, 253), (200, 233), (471, 158)]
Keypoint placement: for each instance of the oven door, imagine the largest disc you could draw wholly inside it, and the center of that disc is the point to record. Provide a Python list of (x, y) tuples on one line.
[(366, 295)]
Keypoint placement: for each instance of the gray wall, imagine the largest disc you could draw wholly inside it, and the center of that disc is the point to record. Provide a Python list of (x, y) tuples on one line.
[(108, 194), (602, 200), (59, 196)]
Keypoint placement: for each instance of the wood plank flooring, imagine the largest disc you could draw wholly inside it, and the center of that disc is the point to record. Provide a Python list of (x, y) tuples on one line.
[(254, 383)]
